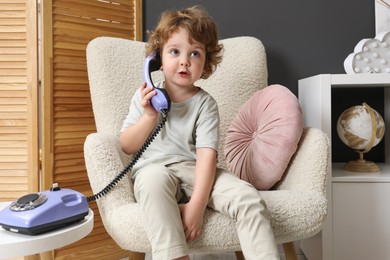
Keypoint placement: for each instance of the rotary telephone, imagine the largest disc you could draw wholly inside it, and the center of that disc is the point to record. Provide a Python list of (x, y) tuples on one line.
[(37, 213)]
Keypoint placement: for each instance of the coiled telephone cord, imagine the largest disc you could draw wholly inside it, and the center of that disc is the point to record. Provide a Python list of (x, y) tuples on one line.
[(136, 157)]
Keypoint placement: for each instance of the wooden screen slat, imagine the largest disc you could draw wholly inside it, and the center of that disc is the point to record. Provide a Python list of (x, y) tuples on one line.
[(109, 15), (98, 23), (68, 26)]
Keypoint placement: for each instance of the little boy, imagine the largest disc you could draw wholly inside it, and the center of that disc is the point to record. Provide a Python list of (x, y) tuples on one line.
[(183, 155)]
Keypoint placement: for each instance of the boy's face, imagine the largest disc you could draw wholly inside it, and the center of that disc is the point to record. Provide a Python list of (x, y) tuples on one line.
[(182, 61)]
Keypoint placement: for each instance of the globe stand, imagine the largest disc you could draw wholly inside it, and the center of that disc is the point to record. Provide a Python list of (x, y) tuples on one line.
[(361, 165)]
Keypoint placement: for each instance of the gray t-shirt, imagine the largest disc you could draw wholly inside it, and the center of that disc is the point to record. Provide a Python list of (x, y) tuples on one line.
[(191, 124)]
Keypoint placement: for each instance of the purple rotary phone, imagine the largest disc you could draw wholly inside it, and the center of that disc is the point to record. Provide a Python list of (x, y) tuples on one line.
[(40, 212)]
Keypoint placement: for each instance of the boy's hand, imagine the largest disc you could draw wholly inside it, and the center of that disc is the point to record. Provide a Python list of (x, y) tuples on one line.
[(146, 95), (192, 218)]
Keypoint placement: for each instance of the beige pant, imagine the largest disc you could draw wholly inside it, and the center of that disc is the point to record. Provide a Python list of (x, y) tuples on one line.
[(157, 189)]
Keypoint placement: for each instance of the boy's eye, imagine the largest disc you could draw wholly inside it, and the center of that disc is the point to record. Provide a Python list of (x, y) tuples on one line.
[(195, 54), (174, 52)]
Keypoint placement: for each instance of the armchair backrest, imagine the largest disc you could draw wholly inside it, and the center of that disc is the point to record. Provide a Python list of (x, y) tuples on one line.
[(115, 73)]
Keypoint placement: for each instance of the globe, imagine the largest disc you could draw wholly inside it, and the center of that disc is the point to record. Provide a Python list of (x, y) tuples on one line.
[(361, 128)]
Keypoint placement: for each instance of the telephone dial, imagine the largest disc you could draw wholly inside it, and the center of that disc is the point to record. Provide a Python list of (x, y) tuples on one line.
[(40, 212)]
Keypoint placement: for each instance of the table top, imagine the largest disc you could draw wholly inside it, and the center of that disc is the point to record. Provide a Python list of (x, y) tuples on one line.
[(16, 245)]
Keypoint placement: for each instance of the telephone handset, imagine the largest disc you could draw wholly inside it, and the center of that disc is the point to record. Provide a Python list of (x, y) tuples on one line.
[(40, 212), (161, 100)]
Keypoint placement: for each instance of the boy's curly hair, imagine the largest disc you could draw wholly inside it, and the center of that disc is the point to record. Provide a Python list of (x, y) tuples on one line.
[(200, 27)]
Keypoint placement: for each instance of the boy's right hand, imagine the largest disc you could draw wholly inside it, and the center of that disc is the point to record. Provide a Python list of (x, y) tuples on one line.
[(146, 95)]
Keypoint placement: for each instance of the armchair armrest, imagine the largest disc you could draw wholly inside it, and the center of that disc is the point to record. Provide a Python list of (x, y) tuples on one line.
[(309, 167), (302, 190), (103, 161)]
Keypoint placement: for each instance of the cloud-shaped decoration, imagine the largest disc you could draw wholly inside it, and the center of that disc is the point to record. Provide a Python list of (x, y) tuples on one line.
[(370, 56)]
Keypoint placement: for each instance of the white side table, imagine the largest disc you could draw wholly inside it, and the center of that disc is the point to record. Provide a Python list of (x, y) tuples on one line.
[(16, 245)]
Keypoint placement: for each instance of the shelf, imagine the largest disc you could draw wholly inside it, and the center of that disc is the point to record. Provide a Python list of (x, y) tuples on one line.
[(356, 80), (348, 192), (340, 175)]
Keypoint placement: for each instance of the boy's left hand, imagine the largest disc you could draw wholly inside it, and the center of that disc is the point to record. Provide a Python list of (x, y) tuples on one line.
[(192, 218)]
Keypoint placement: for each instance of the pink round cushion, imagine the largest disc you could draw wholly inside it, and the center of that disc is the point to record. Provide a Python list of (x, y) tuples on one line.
[(263, 136)]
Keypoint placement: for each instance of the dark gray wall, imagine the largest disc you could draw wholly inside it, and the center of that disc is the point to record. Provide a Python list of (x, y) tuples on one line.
[(302, 37)]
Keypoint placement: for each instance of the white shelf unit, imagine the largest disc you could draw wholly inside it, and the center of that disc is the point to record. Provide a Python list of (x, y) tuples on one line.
[(358, 221)]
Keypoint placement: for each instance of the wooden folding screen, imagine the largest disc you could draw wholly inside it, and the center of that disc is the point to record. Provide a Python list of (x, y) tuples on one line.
[(19, 160), (68, 26)]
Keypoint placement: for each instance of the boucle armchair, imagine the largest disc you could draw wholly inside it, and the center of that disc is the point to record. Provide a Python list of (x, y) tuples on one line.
[(297, 204)]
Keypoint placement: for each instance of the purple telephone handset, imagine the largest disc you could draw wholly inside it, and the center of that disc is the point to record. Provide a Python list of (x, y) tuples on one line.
[(161, 100)]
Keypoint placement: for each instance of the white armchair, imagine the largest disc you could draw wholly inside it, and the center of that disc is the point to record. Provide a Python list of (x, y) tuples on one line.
[(298, 205)]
